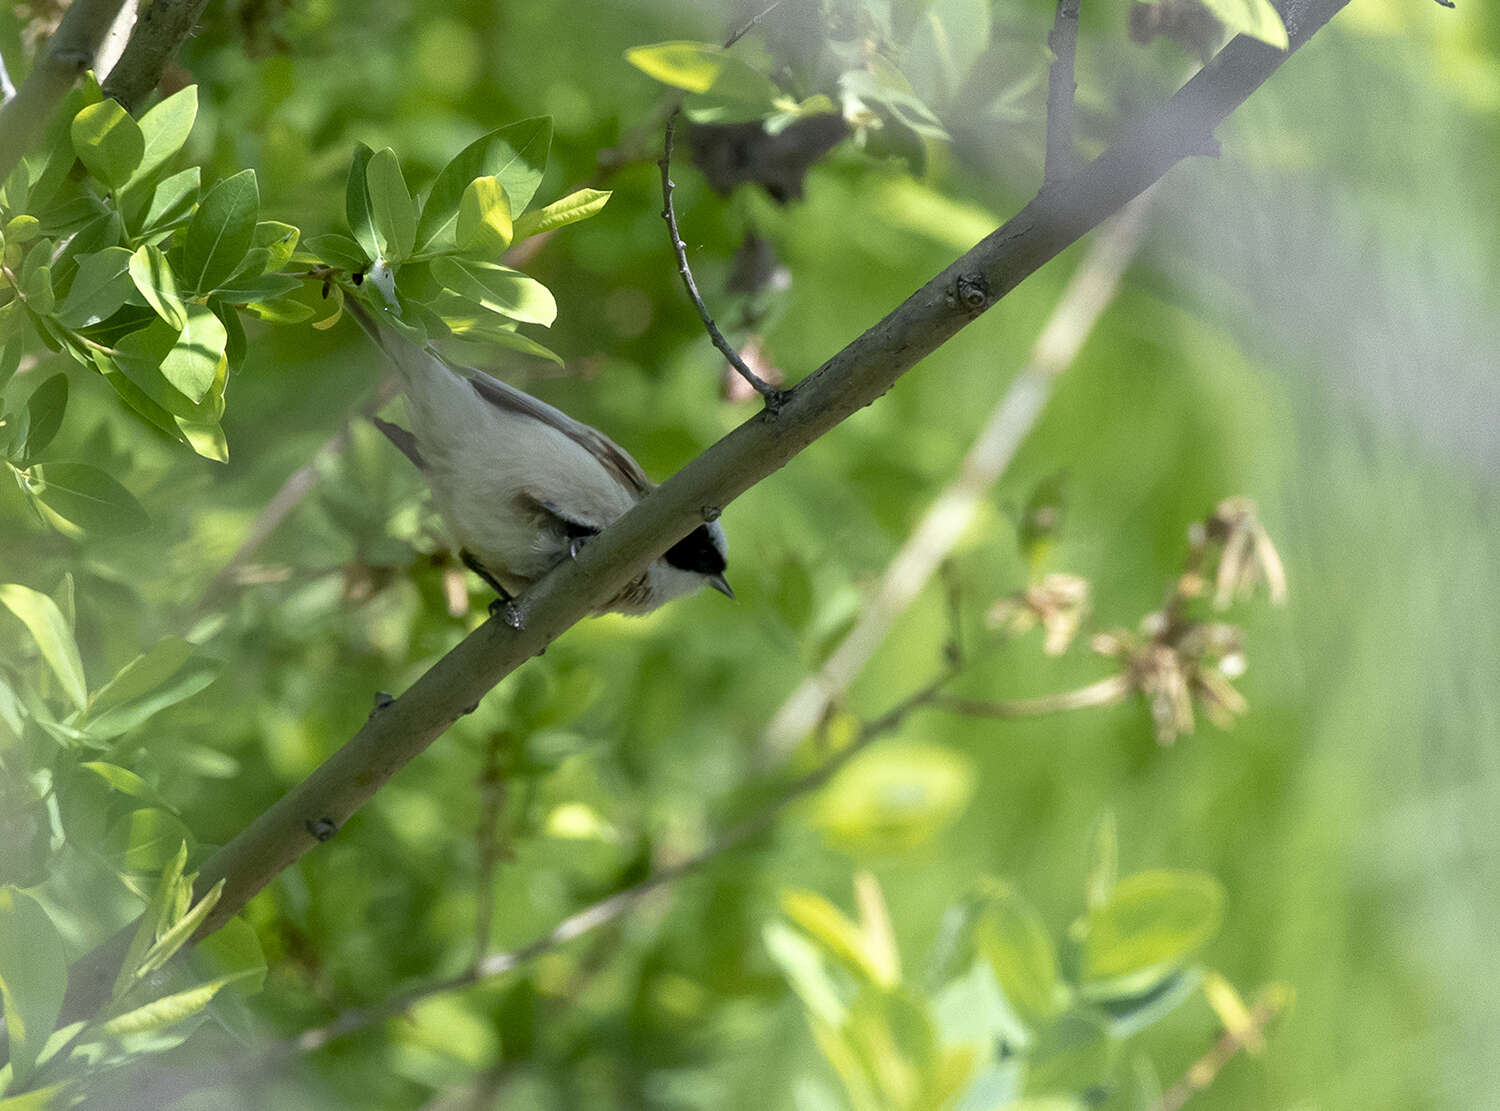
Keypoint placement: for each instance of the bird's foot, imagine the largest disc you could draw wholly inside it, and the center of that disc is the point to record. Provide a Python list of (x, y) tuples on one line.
[(507, 610)]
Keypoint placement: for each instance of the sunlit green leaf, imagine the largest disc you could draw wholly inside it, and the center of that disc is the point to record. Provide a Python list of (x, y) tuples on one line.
[(484, 225), (49, 629), (171, 200), (516, 155), (279, 239), (108, 142), (701, 67), (837, 933), (178, 933), (220, 232), (153, 276), (498, 288), (169, 1010), (99, 288), (575, 206), (391, 210), (33, 977), (193, 361), (165, 128)]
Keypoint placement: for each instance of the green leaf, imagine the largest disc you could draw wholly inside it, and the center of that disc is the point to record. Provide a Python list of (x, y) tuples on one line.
[(136, 398), (10, 355), (337, 251), (177, 935), (484, 225), (221, 232), (357, 202), (1149, 927), (498, 288), (1256, 18), (1071, 1055), (169, 1010), (391, 209), (160, 910), (193, 362), (206, 437), (88, 498), (895, 796), (165, 128), (838, 934), (153, 276), (515, 154), (171, 201), (233, 953), (701, 67), (277, 238), (33, 978), (108, 142), (147, 838), (99, 288), (44, 412), (474, 326), (36, 286), (187, 681), (1012, 937), (53, 637), (801, 963), (1104, 863), (143, 674), (568, 210), (125, 781)]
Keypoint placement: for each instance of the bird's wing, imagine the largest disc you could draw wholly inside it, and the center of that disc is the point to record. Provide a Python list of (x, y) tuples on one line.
[(611, 455), (404, 440)]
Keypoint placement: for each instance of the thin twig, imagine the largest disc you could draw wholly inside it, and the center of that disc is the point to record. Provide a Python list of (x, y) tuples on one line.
[(1088, 294), (748, 27), (1202, 1072), (774, 397), (68, 53), (1105, 692), (1061, 85)]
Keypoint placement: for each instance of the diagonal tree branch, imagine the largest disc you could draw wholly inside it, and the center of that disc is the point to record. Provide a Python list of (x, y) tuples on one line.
[(67, 54), (160, 30), (850, 380), (1087, 295), (1063, 41)]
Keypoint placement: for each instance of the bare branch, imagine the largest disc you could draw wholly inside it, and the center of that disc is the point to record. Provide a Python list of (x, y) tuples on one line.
[(851, 379), (1088, 293), (159, 33), (1105, 692), (1063, 41), (66, 56), (772, 395)]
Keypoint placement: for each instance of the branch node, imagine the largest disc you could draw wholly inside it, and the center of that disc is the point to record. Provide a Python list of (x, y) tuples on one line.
[(710, 513), (321, 829), (972, 291)]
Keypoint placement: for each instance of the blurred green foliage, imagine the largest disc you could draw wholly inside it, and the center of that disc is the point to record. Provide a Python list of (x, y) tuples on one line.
[(1310, 327)]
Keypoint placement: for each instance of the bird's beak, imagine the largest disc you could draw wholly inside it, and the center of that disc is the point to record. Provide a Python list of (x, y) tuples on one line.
[(721, 584)]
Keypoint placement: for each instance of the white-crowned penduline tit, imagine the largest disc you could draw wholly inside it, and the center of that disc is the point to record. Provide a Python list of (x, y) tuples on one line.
[(522, 485)]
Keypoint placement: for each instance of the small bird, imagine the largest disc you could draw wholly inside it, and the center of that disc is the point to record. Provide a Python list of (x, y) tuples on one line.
[(522, 485)]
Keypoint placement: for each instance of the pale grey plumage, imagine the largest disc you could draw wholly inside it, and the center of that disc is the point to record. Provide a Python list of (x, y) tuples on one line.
[(520, 484)]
